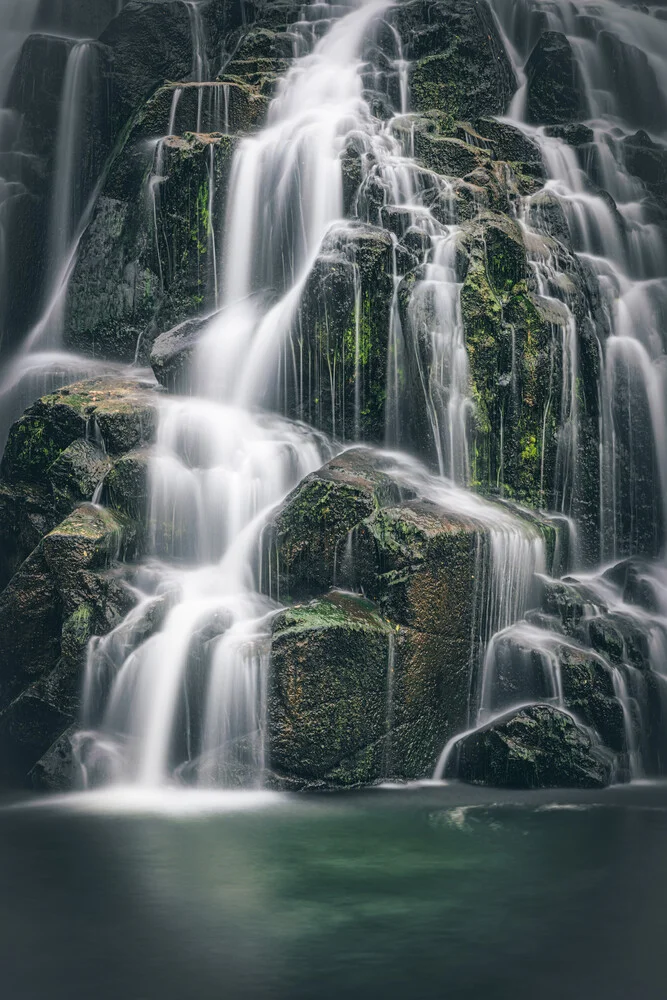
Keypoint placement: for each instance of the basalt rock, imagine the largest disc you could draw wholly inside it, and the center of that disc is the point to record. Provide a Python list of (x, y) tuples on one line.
[(341, 337), (140, 272), (535, 747)]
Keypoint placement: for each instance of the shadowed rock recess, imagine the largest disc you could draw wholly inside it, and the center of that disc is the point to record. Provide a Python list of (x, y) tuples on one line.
[(363, 476)]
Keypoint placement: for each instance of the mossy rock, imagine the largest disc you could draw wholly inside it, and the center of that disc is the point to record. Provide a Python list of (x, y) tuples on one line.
[(459, 64), (59, 454), (62, 594), (340, 337), (534, 747), (556, 91), (305, 545), (112, 415), (352, 697), (147, 259)]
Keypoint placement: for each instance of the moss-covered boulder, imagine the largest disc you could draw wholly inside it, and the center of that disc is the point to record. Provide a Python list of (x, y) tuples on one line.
[(307, 539), (535, 747), (341, 337), (458, 62), (354, 698), (556, 91), (63, 593), (59, 453), (149, 257)]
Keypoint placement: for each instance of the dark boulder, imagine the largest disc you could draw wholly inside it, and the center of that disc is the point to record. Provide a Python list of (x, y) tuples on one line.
[(459, 64), (63, 594), (535, 747), (140, 272), (353, 698), (172, 353), (556, 90), (59, 453)]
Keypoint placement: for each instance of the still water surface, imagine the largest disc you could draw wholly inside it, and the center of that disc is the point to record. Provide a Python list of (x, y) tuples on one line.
[(420, 893)]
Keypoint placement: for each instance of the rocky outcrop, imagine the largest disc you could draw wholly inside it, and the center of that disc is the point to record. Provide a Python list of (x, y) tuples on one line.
[(141, 272), (62, 594), (59, 453), (60, 551), (459, 65), (556, 90), (353, 698), (536, 747), (357, 524)]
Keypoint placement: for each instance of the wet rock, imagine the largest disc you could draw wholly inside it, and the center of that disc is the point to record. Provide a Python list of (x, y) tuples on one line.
[(340, 336), (352, 699), (459, 64), (555, 88), (112, 415), (639, 99), (56, 771), (535, 747), (172, 353), (151, 43), (140, 272), (508, 142), (36, 88), (62, 594), (310, 531), (574, 134), (126, 488), (547, 216), (59, 453), (445, 154), (647, 160)]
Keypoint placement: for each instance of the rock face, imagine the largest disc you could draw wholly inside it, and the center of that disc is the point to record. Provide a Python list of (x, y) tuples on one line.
[(59, 552), (536, 747), (60, 596), (60, 452), (555, 89), (355, 524), (360, 688), (139, 273), (459, 63)]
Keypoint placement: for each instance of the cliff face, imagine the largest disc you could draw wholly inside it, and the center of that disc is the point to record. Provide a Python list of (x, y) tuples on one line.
[(176, 99)]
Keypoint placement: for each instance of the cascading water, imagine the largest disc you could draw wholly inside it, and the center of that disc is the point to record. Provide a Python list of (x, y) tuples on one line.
[(191, 696), (617, 51), (179, 687)]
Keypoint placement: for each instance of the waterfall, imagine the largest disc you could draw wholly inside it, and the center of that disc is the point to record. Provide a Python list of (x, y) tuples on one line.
[(178, 690), (618, 239), (69, 187), (221, 463)]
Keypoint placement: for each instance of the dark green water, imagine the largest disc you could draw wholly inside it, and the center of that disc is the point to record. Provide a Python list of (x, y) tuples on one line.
[(433, 892)]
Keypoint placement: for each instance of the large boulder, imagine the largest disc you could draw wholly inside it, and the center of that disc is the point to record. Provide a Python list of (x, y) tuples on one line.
[(535, 747), (458, 62), (556, 91), (59, 453), (62, 595), (354, 698), (357, 524), (340, 336), (140, 272)]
